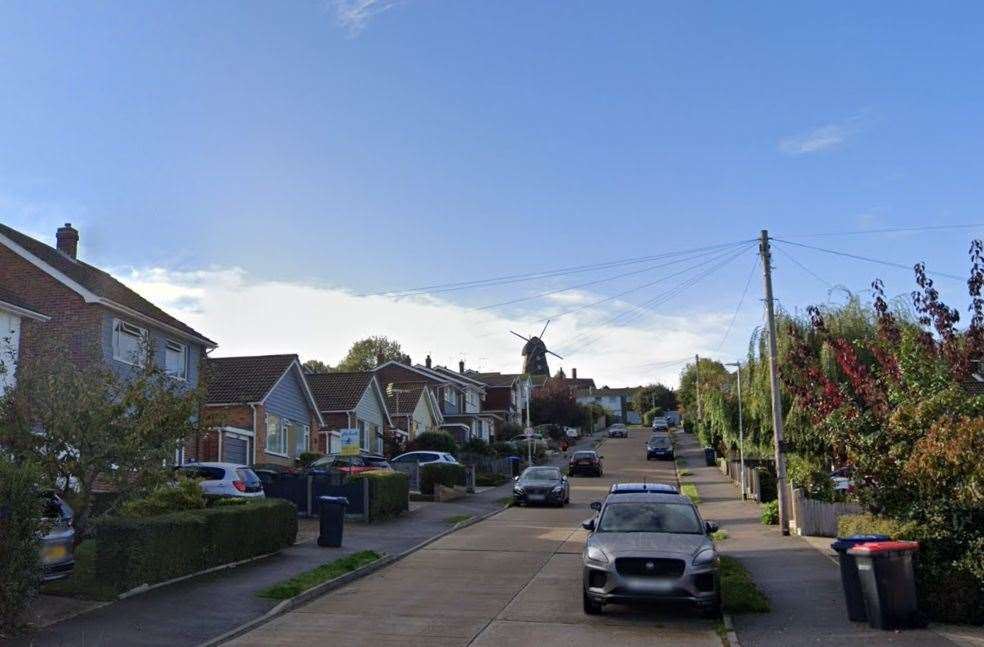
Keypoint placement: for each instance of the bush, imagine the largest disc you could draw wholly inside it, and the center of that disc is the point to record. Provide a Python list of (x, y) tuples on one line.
[(647, 417), (306, 458), (186, 494), (446, 474), (490, 480), (503, 449), (770, 513), (433, 441), (131, 551), (20, 562), (509, 430), (477, 446), (389, 494), (948, 589), (812, 476)]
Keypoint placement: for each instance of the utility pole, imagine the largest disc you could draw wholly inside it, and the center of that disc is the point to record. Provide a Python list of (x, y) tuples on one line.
[(777, 441), (700, 416)]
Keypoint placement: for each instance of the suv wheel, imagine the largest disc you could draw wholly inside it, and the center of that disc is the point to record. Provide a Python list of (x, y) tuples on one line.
[(591, 607)]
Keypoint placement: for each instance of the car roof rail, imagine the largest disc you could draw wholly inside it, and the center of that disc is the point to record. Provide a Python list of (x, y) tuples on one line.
[(642, 488)]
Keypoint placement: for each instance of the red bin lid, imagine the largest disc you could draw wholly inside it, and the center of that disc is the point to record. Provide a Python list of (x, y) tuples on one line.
[(874, 547)]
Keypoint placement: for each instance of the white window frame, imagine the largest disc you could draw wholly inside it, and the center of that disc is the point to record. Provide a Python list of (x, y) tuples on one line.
[(281, 434), (174, 346), (305, 438), (120, 326)]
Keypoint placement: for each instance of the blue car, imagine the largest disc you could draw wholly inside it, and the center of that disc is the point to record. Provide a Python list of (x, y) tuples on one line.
[(659, 447)]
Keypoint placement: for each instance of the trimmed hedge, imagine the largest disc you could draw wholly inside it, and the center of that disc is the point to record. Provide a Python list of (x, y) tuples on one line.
[(135, 551), (446, 474), (948, 592), (389, 494)]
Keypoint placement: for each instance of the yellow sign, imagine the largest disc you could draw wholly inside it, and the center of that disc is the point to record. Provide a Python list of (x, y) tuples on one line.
[(350, 442)]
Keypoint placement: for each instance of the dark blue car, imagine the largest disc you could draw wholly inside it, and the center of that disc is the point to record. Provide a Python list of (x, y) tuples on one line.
[(659, 447)]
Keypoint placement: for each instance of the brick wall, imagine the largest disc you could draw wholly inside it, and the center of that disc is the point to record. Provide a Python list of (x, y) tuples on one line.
[(75, 325)]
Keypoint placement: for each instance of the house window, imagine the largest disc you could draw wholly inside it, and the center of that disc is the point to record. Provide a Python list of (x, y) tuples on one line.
[(128, 343), (175, 363), (276, 440), (303, 440), (362, 434), (449, 400)]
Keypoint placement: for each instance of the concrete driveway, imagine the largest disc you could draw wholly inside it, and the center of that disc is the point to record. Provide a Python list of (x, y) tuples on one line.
[(514, 579)]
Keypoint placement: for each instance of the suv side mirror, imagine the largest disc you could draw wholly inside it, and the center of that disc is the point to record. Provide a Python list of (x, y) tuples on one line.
[(711, 527), (596, 506), (588, 525)]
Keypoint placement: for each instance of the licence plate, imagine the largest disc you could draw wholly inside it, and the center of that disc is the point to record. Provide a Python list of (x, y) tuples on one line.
[(536, 497), (584, 462), (653, 585), (53, 553)]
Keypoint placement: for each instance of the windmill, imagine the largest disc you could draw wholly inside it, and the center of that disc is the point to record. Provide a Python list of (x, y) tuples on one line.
[(535, 353)]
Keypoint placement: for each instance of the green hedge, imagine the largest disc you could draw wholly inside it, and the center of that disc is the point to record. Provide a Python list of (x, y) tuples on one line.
[(135, 551), (389, 494), (948, 592), (446, 474)]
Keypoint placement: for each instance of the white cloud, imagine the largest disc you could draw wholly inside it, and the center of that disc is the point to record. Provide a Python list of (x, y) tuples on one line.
[(354, 15), (816, 140), (247, 316)]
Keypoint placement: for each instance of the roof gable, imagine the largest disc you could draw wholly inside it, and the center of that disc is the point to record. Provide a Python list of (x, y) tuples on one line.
[(93, 284), (245, 379), (339, 391)]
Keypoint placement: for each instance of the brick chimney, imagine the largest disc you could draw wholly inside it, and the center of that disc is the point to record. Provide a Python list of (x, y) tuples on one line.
[(68, 240), (573, 373), (427, 362), (461, 367)]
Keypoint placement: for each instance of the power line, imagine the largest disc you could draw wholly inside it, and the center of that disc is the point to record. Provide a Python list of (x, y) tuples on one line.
[(867, 259), (889, 230), (530, 276), (596, 282), (748, 282), (782, 251)]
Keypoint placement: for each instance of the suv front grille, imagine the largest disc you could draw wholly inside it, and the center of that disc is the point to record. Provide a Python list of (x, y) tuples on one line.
[(645, 567)]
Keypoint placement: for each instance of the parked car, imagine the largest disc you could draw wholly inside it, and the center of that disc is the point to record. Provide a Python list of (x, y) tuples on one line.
[(842, 479), (425, 458), (336, 463), (659, 446), (58, 542), (541, 485), (585, 461), (618, 431), (224, 479), (649, 546), (660, 424)]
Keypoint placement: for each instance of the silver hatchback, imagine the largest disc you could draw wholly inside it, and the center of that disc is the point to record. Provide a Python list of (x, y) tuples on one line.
[(650, 546)]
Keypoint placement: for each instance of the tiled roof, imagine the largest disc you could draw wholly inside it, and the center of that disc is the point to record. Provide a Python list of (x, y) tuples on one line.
[(974, 387), (9, 297), (454, 375), (408, 398), (97, 281), (243, 379), (339, 391), (496, 379)]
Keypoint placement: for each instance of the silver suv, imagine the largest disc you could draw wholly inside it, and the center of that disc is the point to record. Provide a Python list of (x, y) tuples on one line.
[(647, 545)]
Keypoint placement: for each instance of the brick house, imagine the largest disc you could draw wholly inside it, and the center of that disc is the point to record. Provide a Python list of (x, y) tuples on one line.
[(413, 409), (88, 314), (506, 394), (259, 409), (462, 403), (350, 401), (12, 312)]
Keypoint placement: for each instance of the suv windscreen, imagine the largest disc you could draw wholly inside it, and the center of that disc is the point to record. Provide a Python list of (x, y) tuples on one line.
[(541, 474), (659, 442), (640, 516), (583, 455)]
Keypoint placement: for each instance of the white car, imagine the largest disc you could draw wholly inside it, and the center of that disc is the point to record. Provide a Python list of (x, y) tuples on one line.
[(424, 458), (225, 479)]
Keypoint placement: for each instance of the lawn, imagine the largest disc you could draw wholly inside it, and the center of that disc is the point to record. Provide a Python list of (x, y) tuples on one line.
[(82, 583), (719, 535), (690, 490), (458, 518), (738, 592), (505, 501), (309, 579)]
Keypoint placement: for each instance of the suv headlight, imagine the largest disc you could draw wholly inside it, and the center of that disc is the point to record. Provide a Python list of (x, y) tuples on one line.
[(596, 555), (705, 557), (558, 489)]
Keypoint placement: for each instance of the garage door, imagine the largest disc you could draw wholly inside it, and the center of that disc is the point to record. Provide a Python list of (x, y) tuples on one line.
[(235, 450)]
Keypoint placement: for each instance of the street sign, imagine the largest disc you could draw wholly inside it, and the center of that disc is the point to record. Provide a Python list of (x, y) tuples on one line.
[(350, 442)]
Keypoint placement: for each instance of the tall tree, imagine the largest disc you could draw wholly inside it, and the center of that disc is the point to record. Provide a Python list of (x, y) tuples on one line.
[(365, 354), (654, 395), (316, 366)]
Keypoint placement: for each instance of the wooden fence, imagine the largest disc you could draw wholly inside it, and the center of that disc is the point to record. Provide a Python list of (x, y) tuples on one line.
[(816, 518)]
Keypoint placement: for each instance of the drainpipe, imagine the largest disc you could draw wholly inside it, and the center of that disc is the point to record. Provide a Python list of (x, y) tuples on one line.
[(255, 433)]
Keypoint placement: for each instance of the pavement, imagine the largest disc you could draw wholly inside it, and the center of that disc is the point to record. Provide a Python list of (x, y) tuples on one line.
[(801, 582), (512, 579)]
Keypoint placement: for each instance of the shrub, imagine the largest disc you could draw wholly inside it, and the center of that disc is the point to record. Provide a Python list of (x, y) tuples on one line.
[(389, 494), (490, 480), (869, 524), (306, 458), (186, 494), (477, 446), (226, 502), (509, 430), (446, 474), (433, 441), (131, 551), (503, 449), (20, 518), (770, 513), (812, 476)]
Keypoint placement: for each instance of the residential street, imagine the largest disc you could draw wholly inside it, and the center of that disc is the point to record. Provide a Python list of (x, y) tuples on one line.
[(514, 579)]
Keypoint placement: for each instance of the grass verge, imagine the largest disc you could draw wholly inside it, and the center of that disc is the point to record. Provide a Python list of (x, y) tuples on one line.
[(82, 583), (309, 579), (690, 490), (505, 501), (719, 535), (686, 473), (458, 518), (738, 592)]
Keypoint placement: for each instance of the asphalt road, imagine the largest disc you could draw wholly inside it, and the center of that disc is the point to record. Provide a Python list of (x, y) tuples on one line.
[(513, 579)]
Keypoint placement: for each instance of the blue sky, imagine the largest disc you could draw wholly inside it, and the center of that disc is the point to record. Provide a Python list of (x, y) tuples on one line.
[(371, 145)]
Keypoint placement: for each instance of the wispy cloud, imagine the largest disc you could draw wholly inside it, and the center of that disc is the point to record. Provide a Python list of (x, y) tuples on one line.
[(821, 138), (354, 15)]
